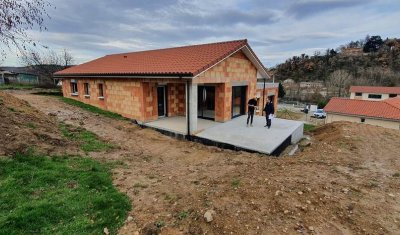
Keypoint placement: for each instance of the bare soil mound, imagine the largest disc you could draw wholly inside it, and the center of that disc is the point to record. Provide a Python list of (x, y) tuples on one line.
[(23, 127)]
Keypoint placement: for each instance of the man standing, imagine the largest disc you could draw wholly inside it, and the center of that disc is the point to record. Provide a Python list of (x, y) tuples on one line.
[(252, 104), (269, 112)]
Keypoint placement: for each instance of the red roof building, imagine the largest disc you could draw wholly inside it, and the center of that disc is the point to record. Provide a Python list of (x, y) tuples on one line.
[(211, 81), (384, 113), (373, 93)]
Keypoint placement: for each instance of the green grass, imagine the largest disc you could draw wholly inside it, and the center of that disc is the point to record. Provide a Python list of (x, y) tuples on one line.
[(235, 183), (92, 109), (16, 87), (49, 93), (309, 127), (183, 215), (89, 142), (58, 195), (31, 125)]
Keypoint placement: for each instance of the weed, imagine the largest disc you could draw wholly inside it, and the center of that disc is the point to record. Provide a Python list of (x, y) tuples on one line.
[(309, 127), (397, 174), (92, 109), (31, 125), (160, 223), (58, 195), (170, 197), (235, 183), (11, 109), (89, 142), (183, 215), (140, 185)]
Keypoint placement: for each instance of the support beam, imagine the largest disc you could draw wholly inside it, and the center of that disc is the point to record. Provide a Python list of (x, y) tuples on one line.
[(191, 107)]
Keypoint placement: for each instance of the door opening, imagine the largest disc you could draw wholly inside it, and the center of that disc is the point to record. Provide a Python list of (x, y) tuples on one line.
[(206, 102), (161, 101), (238, 100)]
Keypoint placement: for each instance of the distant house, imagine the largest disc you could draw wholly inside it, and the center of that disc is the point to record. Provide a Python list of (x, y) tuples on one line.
[(384, 113), (18, 75), (209, 81), (373, 93), (314, 85)]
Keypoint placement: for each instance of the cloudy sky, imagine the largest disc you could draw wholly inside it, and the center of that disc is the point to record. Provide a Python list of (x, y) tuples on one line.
[(276, 30)]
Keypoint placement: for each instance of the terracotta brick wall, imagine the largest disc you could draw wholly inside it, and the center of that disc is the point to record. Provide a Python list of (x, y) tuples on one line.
[(121, 96), (268, 90), (176, 99), (223, 102), (149, 108), (236, 68)]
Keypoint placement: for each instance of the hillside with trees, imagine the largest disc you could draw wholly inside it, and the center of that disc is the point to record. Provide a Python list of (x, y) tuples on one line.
[(370, 61)]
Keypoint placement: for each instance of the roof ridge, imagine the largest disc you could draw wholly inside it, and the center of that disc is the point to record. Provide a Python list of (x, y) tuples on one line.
[(194, 45)]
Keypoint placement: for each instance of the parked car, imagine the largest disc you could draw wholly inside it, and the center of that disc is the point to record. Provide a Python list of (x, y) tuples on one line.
[(319, 113)]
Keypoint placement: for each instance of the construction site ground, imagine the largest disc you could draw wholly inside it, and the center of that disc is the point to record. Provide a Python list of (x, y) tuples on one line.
[(345, 180)]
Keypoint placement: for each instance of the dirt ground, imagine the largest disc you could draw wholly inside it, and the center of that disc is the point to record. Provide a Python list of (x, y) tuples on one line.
[(346, 182)]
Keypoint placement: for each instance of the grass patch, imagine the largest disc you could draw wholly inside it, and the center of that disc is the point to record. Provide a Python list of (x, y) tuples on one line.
[(160, 223), (58, 195), (31, 125), (49, 93), (92, 109), (89, 142), (183, 215), (235, 183), (309, 127), (140, 185), (397, 174), (16, 87)]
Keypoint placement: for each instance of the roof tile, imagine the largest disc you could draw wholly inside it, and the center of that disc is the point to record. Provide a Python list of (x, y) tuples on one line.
[(186, 60), (386, 109)]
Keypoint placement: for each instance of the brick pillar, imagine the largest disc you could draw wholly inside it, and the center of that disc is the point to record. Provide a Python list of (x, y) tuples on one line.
[(223, 102)]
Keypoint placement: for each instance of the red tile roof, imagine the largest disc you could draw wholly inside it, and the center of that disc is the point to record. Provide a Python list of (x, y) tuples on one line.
[(386, 109), (375, 89), (186, 61)]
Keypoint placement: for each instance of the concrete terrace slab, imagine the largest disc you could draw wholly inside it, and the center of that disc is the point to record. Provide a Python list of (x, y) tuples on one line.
[(178, 124), (257, 138)]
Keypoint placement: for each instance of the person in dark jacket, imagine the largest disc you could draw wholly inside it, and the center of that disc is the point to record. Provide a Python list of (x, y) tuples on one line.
[(269, 110), (252, 104)]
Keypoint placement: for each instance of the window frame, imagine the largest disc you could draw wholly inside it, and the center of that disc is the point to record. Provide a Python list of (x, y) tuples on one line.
[(375, 96), (100, 94), (74, 88), (86, 88)]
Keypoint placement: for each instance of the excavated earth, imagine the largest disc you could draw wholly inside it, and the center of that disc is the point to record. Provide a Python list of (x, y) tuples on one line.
[(346, 180)]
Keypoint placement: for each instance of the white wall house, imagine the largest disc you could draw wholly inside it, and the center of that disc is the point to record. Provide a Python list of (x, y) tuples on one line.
[(373, 93)]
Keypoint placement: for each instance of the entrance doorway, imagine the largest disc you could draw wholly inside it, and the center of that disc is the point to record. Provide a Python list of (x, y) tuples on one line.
[(161, 101), (238, 100), (206, 102)]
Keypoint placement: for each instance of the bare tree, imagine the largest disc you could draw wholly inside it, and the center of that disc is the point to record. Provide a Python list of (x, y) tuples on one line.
[(19, 16), (46, 63), (340, 79)]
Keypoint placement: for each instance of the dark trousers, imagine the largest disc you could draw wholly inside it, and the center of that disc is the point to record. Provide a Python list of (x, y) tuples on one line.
[(250, 115), (268, 121)]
